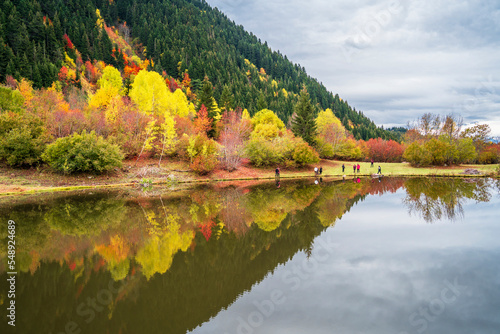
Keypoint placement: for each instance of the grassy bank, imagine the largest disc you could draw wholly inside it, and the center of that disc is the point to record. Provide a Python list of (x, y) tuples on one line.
[(42, 179)]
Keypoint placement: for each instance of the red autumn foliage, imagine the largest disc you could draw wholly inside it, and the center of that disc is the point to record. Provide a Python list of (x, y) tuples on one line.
[(69, 122), (10, 82), (129, 129), (385, 150), (490, 154), (72, 265), (68, 42), (172, 85), (97, 122), (389, 185), (90, 72), (206, 229)]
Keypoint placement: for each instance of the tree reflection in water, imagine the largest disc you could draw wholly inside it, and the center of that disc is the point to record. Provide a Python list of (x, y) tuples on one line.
[(443, 198)]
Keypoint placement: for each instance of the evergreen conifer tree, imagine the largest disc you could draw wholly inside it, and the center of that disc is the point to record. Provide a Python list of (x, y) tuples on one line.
[(261, 102), (226, 99), (37, 79), (303, 122), (205, 97)]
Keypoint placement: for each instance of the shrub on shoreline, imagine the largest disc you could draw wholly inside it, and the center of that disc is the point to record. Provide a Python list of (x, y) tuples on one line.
[(22, 139), (85, 152)]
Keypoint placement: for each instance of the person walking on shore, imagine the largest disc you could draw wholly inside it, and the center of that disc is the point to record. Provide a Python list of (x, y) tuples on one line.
[(358, 167), (354, 168), (277, 172), (320, 170), (343, 168), (379, 170)]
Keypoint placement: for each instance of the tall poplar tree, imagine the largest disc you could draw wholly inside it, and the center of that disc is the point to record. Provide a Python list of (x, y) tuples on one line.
[(303, 121)]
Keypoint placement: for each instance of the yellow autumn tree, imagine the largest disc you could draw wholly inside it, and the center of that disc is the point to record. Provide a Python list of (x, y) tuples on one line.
[(163, 243), (266, 124), (178, 104), (331, 133), (150, 93), (113, 109), (100, 20), (110, 86)]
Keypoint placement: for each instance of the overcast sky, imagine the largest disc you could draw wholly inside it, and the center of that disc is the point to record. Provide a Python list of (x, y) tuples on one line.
[(392, 59)]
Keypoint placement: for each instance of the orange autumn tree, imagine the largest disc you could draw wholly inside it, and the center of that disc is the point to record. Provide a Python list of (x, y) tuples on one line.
[(202, 123)]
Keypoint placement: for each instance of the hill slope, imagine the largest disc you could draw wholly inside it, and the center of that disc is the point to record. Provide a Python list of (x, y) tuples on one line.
[(179, 36)]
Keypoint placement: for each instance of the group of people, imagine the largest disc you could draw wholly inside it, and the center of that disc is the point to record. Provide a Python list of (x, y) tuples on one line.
[(357, 167), (354, 168), (319, 171)]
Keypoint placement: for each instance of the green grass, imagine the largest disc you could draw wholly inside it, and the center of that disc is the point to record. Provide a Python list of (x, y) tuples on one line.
[(405, 169), (30, 184)]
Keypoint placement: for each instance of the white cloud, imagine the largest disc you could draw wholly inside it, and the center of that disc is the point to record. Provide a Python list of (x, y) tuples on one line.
[(395, 59)]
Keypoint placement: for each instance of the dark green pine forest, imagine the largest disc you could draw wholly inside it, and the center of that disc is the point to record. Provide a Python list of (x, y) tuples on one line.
[(178, 36)]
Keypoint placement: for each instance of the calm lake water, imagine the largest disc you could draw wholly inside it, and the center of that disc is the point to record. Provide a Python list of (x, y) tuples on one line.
[(387, 256)]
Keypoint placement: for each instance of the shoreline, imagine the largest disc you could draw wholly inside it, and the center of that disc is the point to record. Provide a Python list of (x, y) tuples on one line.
[(15, 182)]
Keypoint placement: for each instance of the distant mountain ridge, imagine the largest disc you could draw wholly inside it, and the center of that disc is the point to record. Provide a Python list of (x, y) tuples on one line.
[(179, 36)]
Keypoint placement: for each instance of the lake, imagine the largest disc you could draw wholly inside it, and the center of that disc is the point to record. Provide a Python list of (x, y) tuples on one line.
[(389, 255)]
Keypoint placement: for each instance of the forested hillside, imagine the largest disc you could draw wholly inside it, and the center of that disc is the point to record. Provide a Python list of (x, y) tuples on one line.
[(178, 36)]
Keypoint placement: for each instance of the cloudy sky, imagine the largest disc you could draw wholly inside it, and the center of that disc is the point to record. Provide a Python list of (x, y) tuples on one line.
[(392, 59)]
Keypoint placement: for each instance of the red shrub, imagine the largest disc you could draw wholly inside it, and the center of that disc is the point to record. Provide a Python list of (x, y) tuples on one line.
[(385, 150)]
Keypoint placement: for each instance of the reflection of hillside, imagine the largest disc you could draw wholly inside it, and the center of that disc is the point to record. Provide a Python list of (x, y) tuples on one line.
[(201, 283), (435, 199)]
